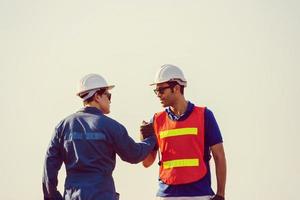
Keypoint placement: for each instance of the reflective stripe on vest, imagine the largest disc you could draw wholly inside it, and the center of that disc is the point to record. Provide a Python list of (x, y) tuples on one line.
[(178, 132), (181, 163)]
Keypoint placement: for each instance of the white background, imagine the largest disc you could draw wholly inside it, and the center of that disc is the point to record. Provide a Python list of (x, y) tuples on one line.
[(241, 59)]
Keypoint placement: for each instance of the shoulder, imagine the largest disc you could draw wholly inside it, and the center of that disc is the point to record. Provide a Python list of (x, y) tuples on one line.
[(212, 131), (111, 121), (209, 116), (64, 124), (111, 124), (208, 113), (159, 115), (68, 120)]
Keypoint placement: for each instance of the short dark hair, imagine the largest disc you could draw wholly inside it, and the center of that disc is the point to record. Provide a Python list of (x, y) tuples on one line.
[(172, 84), (99, 92)]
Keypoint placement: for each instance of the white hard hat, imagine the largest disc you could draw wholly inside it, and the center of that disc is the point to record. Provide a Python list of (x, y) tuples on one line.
[(168, 73), (92, 82)]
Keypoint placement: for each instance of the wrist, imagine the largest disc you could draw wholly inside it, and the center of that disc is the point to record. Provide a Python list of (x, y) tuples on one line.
[(220, 193), (218, 197)]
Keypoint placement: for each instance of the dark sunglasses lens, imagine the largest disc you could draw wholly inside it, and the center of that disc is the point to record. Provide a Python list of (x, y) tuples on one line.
[(161, 90), (158, 91), (108, 96)]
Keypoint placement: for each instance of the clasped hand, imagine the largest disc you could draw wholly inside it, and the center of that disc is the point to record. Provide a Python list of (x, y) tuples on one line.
[(146, 130)]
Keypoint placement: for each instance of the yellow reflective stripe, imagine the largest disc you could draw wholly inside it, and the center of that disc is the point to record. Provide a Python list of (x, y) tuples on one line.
[(181, 163), (178, 132)]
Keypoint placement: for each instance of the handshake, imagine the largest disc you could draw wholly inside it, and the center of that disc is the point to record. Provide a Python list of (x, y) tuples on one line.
[(146, 130)]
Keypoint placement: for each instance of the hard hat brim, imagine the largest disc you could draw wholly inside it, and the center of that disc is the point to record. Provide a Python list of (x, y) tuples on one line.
[(110, 87), (180, 82), (85, 91)]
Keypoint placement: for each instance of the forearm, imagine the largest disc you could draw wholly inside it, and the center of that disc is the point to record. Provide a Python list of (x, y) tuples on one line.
[(52, 165), (220, 163), (136, 152), (220, 166), (150, 159), (50, 173)]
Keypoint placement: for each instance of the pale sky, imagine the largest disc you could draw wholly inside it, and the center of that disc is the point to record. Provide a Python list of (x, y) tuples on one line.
[(240, 58)]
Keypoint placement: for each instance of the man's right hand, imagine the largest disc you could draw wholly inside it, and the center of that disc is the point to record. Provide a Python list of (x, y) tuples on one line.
[(146, 130)]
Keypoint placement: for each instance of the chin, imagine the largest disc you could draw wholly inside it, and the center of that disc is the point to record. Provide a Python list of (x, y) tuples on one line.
[(164, 105)]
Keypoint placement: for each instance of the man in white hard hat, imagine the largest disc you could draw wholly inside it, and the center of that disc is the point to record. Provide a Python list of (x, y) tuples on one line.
[(186, 136), (87, 143)]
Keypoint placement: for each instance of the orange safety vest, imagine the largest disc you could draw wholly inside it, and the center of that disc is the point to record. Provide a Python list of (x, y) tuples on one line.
[(182, 147)]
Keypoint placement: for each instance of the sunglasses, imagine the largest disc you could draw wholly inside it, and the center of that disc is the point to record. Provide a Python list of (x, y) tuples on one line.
[(108, 95), (161, 90)]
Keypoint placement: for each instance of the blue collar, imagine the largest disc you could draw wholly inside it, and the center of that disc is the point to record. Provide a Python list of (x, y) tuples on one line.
[(92, 110), (182, 117)]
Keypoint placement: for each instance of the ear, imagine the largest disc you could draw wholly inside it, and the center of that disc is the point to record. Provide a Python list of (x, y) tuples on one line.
[(177, 88), (97, 97)]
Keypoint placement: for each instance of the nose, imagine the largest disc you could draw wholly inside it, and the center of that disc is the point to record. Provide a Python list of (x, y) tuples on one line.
[(158, 94)]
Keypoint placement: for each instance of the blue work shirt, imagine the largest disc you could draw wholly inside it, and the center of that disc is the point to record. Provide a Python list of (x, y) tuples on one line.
[(87, 143), (212, 137)]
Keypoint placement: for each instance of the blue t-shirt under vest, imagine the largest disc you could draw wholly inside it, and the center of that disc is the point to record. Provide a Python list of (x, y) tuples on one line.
[(212, 136)]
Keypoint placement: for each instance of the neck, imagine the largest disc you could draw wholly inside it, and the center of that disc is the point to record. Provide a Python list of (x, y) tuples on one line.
[(93, 104), (179, 106)]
